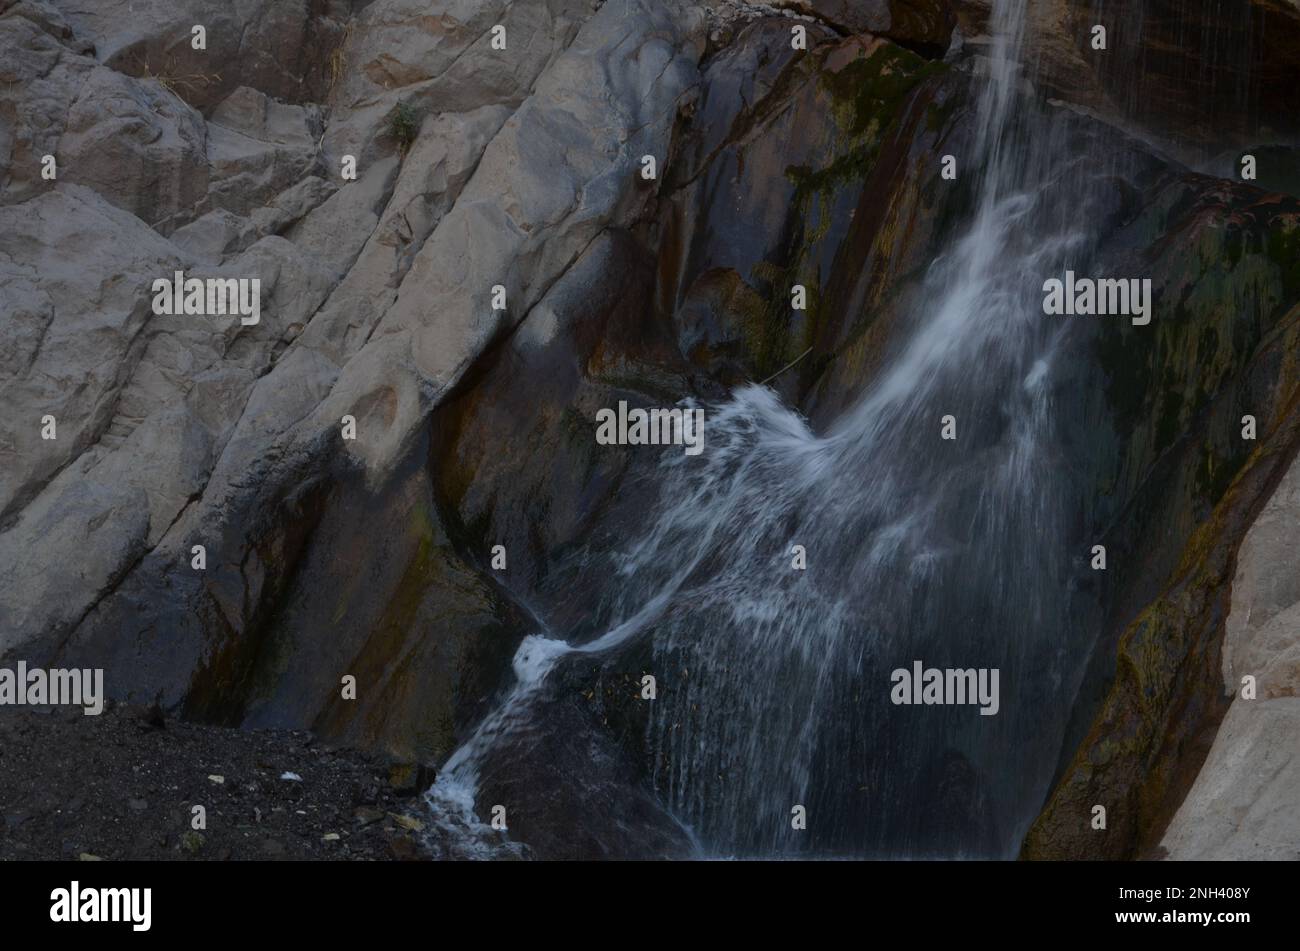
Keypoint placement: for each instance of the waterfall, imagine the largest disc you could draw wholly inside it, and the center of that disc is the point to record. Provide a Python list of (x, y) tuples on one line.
[(775, 682)]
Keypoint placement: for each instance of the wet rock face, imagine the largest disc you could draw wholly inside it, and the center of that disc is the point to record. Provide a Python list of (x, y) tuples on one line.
[(1199, 76), (860, 126), (1215, 74), (422, 631), (841, 148), (692, 300), (576, 787), (1156, 700)]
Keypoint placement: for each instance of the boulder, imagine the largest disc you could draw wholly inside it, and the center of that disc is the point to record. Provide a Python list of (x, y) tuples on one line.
[(138, 145), (80, 309), (1242, 805), (40, 78)]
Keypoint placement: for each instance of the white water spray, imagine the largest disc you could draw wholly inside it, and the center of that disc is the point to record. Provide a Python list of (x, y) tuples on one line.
[(908, 539)]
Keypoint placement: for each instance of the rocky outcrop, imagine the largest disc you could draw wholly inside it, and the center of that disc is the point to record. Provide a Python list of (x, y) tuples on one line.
[(175, 431), (284, 48), (1243, 803)]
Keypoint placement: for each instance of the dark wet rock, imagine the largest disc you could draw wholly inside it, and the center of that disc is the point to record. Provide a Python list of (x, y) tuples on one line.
[(1153, 699), (842, 145), (570, 791), (1197, 75), (407, 779)]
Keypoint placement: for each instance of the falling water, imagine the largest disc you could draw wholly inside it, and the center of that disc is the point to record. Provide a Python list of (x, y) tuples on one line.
[(775, 682)]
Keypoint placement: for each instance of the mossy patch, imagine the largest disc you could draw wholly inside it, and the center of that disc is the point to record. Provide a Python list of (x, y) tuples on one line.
[(403, 126), (866, 97)]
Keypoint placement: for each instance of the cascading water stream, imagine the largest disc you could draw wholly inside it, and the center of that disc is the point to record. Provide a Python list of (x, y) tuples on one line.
[(954, 553)]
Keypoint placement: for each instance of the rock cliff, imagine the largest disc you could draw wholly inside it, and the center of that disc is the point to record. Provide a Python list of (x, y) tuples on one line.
[(458, 250)]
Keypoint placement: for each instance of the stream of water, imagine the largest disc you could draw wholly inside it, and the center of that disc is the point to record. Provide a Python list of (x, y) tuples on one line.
[(776, 681)]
